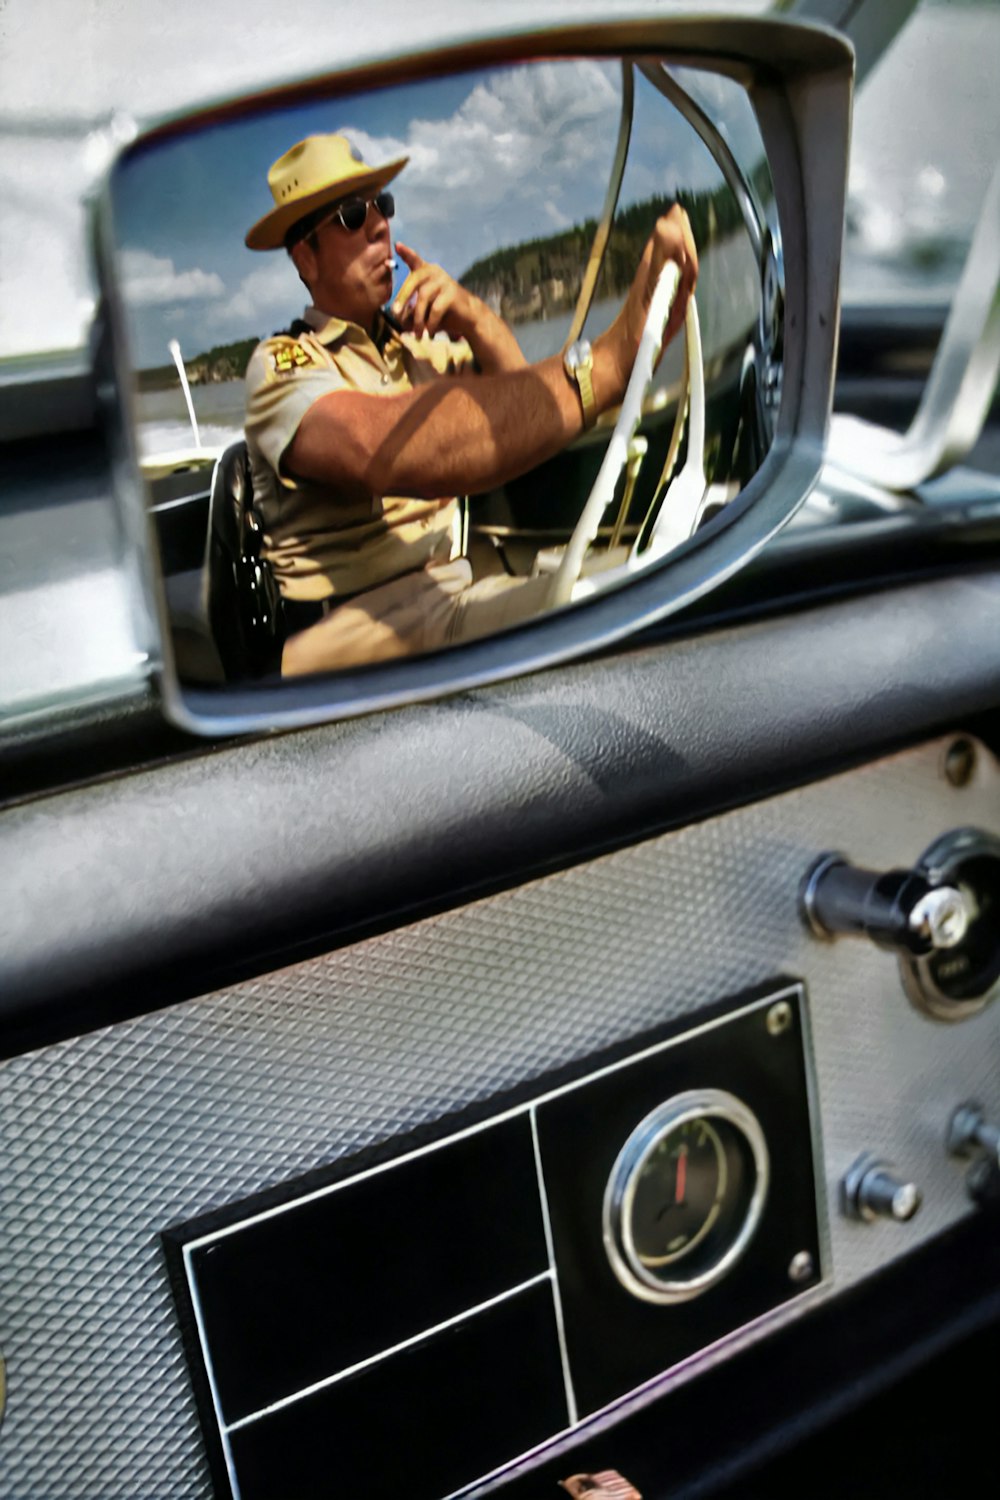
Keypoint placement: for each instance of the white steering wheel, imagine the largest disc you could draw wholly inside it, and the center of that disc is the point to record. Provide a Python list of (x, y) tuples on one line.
[(680, 511)]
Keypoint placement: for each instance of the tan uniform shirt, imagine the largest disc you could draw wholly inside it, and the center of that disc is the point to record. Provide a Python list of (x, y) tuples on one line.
[(319, 542)]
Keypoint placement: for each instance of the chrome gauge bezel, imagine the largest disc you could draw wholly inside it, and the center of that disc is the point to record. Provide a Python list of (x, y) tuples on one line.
[(619, 1195), (947, 862)]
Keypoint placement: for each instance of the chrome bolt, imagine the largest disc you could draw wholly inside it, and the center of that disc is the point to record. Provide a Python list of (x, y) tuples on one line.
[(872, 1189), (970, 1134), (779, 1018), (905, 1202), (801, 1267)]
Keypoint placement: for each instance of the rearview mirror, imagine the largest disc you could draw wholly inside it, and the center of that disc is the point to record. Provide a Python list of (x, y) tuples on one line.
[(535, 173)]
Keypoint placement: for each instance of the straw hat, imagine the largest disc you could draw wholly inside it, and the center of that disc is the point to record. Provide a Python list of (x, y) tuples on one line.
[(319, 170)]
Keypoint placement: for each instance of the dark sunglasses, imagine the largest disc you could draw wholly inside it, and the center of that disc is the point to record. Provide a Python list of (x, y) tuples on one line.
[(353, 212)]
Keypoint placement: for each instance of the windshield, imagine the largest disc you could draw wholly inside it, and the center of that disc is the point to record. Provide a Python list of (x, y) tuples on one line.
[(926, 126), (919, 349)]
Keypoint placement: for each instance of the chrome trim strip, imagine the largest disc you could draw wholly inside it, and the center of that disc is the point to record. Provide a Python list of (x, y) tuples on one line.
[(754, 218), (571, 1406), (603, 231), (199, 1319), (818, 1152)]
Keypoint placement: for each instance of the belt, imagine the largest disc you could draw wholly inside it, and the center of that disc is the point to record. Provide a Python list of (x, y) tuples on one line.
[(301, 613)]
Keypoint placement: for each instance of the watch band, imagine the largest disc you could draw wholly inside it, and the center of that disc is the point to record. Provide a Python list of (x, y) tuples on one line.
[(587, 398), (578, 362)]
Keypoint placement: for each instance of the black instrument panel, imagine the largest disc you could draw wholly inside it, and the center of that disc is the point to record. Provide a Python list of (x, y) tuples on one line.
[(462, 1300)]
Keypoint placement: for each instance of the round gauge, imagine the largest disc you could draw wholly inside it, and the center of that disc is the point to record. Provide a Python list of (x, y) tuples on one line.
[(685, 1195)]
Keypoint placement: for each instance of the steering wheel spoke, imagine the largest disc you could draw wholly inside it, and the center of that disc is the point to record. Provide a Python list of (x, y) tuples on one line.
[(617, 454), (683, 503)]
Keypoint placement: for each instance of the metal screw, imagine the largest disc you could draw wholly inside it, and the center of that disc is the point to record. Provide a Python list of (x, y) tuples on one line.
[(801, 1267), (779, 1018), (959, 762)]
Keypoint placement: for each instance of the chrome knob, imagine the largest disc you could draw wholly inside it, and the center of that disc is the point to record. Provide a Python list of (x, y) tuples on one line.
[(871, 1190), (901, 909), (941, 918)]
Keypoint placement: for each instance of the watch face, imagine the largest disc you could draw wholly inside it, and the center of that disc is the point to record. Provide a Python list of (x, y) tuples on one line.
[(579, 353)]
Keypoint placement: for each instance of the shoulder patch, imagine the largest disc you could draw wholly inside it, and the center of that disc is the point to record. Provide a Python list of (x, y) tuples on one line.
[(289, 357)]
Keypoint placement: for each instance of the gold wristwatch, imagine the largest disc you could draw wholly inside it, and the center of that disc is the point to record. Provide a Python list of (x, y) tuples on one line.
[(578, 362)]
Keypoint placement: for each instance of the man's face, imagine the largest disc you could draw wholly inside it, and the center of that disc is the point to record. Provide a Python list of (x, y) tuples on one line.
[(349, 273)]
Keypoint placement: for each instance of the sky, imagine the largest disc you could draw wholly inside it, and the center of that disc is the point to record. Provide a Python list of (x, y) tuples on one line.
[(496, 157)]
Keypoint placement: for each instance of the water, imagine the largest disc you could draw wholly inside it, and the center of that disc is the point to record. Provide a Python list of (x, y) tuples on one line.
[(163, 419)]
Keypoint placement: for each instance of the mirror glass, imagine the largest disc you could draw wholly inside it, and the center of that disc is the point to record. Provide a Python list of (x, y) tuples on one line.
[(515, 175)]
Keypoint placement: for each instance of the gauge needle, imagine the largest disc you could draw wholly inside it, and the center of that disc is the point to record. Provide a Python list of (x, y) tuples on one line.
[(680, 1183)]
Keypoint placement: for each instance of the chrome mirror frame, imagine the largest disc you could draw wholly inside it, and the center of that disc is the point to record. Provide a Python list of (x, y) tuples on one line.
[(798, 78)]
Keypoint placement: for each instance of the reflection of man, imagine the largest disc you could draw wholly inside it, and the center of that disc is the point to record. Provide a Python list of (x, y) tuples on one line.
[(358, 446)]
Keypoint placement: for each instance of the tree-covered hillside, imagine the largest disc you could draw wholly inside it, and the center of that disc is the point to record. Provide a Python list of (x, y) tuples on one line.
[(221, 362), (541, 277)]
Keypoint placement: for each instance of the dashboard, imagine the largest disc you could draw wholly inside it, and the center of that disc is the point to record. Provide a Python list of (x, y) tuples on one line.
[(172, 1108)]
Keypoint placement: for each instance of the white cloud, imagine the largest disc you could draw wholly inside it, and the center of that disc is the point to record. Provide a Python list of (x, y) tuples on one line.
[(556, 218), (152, 280), (528, 149), (517, 158), (265, 293)]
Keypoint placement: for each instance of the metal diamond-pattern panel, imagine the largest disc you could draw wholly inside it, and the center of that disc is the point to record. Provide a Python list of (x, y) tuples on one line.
[(109, 1138)]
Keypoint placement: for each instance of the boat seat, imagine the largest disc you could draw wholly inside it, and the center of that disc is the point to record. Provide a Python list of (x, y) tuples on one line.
[(244, 603)]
